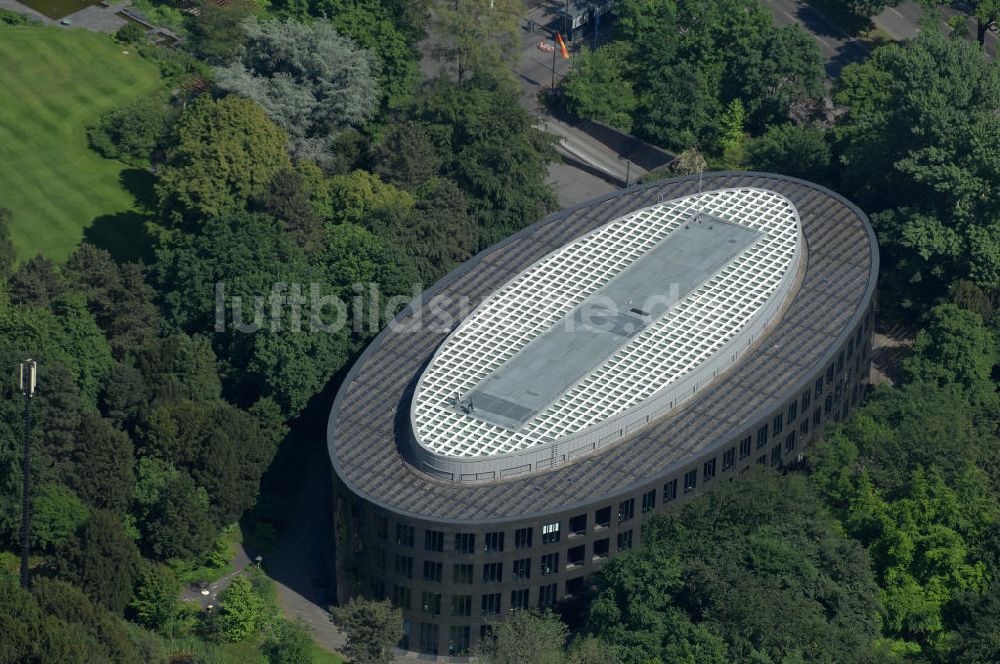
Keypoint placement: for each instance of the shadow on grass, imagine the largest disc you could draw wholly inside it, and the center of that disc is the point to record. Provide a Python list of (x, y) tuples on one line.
[(124, 234), (139, 182)]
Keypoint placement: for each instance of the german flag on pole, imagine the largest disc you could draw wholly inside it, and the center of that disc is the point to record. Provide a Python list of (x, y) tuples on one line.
[(562, 45)]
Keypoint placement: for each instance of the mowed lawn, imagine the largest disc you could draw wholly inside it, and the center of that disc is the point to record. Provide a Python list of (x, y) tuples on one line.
[(53, 83)]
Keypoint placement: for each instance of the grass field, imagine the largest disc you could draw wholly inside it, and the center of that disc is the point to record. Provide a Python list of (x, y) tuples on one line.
[(53, 83)]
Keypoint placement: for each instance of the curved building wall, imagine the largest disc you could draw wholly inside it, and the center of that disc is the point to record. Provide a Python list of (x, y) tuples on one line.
[(454, 556)]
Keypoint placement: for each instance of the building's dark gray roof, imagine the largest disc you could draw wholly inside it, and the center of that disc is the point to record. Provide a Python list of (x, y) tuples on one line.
[(368, 424)]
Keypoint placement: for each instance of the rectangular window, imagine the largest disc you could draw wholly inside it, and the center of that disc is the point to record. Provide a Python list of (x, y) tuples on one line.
[(493, 542), (649, 501), (431, 603), (777, 424), (729, 459), (793, 411), (806, 400), (465, 542), (547, 596), (804, 427), (522, 569), (461, 605), (490, 604), (819, 387), (433, 540), (463, 573), (776, 456), (575, 556), (404, 566), (762, 460), (428, 638), (492, 572), (550, 533), (578, 525), (550, 564), (574, 586), (432, 571), (708, 470), (601, 548), (690, 480), (602, 517), (827, 405), (522, 538), (669, 491), (625, 540), (519, 599), (745, 448), (762, 437), (404, 535), (829, 374), (850, 348), (817, 417), (458, 639), (626, 510), (790, 441), (401, 597), (840, 362)]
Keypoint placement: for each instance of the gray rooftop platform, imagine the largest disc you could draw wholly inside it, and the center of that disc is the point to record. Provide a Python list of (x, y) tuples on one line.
[(583, 340), (368, 422)]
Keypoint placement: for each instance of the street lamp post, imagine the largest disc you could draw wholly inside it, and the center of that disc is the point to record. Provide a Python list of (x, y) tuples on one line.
[(28, 376)]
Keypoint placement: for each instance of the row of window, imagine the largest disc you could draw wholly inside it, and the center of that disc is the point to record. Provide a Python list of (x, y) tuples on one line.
[(489, 605), (465, 573)]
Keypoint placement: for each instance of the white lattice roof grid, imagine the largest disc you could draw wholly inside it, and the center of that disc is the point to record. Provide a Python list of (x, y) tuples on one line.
[(540, 296)]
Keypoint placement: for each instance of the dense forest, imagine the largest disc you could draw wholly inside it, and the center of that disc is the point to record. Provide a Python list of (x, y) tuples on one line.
[(299, 144)]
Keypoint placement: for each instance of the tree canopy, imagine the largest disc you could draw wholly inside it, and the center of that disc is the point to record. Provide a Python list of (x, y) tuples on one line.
[(310, 80)]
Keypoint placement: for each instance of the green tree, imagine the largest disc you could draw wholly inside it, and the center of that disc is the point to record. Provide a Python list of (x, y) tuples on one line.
[(242, 609), (56, 514), (130, 33), (376, 27), (595, 87), (253, 257), (173, 512), (953, 347), (525, 636), (105, 561), (122, 302), (224, 154), (289, 643), (405, 157), (477, 35), (312, 81), (36, 281), (492, 150), (104, 634), (791, 149), (713, 578), (155, 603), (700, 55), (915, 147), (135, 131), (373, 629), (591, 650), (216, 33), (104, 462), (291, 200), (21, 623)]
